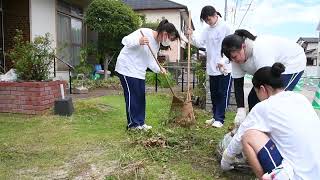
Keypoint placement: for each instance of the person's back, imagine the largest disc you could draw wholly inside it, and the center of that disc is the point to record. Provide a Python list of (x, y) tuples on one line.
[(276, 49), (293, 126)]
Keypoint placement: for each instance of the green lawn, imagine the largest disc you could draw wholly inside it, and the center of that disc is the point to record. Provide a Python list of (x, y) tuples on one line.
[(93, 144)]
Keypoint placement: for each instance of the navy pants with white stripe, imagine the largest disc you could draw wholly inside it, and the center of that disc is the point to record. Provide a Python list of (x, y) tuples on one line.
[(289, 80), (269, 157), (220, 87), (135, 97)]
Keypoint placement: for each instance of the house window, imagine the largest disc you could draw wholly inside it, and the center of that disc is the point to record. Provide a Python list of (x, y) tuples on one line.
[(311, 61), (70, 34)]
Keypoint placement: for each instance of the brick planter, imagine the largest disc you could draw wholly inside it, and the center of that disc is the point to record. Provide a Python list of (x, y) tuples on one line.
[(29, 97)]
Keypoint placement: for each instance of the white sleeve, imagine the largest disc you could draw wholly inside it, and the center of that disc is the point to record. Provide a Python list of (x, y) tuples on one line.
[(153, 65), (256, 119), (237, 71), (132, 39)]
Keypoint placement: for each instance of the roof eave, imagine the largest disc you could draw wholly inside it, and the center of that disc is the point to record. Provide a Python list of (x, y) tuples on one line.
[(142, 9)]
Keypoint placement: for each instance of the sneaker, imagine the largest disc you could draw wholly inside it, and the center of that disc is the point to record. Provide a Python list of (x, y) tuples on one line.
[(217, 124), (144, 127), (210, 121), (133, 128)]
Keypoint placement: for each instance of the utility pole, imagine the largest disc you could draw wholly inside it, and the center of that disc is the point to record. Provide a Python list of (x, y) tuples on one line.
[(225, 10)]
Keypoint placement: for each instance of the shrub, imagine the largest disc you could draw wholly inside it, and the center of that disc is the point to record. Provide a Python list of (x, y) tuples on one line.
[(32, 60), (110, 83), (200, 90), (84, 67), (162, 82)]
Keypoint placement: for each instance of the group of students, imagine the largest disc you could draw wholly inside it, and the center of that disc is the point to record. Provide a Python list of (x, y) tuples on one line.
[(277, 136)]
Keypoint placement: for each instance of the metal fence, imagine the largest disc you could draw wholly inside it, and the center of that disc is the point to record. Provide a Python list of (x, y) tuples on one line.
[(179, 73)]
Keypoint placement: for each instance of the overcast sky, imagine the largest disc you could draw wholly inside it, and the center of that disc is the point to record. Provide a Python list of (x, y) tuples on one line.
[(290, 19)]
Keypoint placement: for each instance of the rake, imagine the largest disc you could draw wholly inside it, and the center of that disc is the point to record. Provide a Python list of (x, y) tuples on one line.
[(181, 111)]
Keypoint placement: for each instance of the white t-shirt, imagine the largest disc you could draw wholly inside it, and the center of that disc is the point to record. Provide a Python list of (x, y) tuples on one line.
[(211, 38), (292, 124), (266, 51), (134, 59)]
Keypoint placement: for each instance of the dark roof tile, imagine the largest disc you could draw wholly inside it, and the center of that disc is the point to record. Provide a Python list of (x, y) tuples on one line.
[(153, 4)]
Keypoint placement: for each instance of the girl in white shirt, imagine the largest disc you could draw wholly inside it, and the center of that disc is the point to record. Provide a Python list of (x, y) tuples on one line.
[(279, 135), (249, 53), (132, 63), (218, 70)]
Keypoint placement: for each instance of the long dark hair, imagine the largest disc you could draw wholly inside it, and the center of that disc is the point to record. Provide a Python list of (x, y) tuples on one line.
[(166, 26), (269, 76), (208, 11), (234, 41)]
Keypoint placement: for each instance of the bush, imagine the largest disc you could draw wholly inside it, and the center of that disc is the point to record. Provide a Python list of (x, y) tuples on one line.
[(200, 90), (162, 82), (32, 60), (110, 83), (84, 67)]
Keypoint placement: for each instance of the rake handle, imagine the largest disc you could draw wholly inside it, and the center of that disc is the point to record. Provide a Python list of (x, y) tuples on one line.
[(166, 77)]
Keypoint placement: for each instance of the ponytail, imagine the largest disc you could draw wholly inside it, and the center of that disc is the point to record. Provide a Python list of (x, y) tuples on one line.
[(166, 26), (162, 25), (245, 34), (234, 41), (219, 14), (269, 76)]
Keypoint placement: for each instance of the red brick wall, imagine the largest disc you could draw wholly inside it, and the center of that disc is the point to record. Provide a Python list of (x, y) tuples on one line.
[(29, 97)]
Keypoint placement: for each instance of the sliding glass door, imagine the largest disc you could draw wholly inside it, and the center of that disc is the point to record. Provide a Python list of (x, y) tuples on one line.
[(70, 34)]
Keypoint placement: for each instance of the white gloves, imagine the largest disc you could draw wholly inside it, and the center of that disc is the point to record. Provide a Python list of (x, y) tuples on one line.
[(240, 116), (222, 69), (226, 161)]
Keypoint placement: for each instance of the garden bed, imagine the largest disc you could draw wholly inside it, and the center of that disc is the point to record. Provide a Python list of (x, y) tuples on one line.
[(29, 97)]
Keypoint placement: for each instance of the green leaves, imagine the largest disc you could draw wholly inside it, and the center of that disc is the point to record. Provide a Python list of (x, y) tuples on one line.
[(113, 20), (32, 60), (111, 17), (162, 82)]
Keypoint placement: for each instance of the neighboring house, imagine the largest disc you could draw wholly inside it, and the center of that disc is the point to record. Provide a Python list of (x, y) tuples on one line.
[(63, 19), (318, 29), (310, 46), (177, 14)]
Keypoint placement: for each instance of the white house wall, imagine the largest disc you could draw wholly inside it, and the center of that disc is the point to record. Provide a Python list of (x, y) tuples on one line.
[(312, 46), (173, 16), (43, 18)]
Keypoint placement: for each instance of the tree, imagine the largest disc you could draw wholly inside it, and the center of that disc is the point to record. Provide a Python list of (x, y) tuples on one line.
[(113, 20)]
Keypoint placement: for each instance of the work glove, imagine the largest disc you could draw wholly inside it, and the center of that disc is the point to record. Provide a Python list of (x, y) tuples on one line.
[(226, 161), (163, 70), (240, 116), (222, 69)]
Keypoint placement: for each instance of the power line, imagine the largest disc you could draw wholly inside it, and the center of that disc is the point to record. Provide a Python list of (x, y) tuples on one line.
[(235, 12), (245, 14)]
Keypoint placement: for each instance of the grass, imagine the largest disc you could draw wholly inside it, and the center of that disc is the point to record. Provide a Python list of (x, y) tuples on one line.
[(93, 144)]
